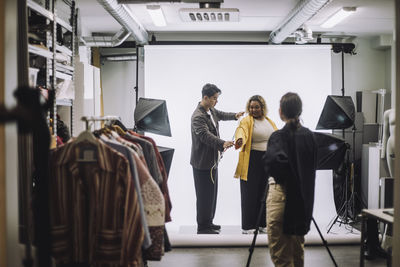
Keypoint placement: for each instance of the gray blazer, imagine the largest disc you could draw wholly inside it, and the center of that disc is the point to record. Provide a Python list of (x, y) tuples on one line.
[(205, 137)]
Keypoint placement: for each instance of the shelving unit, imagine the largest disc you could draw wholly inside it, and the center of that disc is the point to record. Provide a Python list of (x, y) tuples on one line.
[(48, 30), (39, 51), (64, 102), (40, 10)]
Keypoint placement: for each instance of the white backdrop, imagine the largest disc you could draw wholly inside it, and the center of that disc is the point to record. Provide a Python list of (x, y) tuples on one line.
[(177, 74)]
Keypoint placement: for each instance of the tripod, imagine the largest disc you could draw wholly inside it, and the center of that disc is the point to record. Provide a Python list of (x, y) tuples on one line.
[(348, 210), (253, 243)]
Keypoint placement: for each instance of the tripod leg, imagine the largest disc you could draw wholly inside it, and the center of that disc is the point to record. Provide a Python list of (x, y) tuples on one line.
[(336, 218), (253, 243), (325, 243)]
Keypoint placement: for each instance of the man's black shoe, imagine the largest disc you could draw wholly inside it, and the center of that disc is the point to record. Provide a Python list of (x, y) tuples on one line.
[(215, 226), (372, 253), (380, 252), (207, 232), (369, 254)]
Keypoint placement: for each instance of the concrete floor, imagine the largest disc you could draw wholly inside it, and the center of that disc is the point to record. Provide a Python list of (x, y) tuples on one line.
[(315, 256)]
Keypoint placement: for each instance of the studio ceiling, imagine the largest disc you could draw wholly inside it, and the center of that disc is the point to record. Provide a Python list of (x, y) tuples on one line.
[(372, 18)]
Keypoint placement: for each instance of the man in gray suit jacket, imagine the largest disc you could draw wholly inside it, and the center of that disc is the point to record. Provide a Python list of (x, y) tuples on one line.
[(206, 148)]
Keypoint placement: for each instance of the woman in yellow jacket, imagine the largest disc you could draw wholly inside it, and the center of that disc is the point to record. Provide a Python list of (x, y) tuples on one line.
[(252, 136)]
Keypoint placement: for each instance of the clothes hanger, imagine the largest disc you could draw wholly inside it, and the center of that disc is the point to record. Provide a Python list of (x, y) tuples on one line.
[(120, 124), (118, 129), (103, 131), (87, 146), (86, 136)]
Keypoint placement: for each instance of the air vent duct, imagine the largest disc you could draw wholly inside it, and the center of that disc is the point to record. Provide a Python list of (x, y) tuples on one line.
[(106, 41), (124, 17), (304, 11), (209, 14)]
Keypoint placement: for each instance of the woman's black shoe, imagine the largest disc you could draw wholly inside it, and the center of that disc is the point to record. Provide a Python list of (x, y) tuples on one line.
[(208, 232), (215, 226)]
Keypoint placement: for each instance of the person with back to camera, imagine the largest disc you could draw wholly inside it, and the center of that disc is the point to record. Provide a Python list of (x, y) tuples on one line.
[(206, 148), (252, 136), (290, 163)]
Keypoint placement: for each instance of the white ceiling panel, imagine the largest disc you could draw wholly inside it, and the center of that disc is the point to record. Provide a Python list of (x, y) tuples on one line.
[(372, 18)]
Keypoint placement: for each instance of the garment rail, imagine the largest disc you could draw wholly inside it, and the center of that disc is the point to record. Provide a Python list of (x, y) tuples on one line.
[(88, 119)]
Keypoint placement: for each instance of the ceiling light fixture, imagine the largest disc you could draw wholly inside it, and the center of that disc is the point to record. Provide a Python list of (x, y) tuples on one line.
[(156, 15), (209, 14), (340, 15)]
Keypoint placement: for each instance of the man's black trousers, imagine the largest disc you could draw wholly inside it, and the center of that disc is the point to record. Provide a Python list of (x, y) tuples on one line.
[(206, 196)]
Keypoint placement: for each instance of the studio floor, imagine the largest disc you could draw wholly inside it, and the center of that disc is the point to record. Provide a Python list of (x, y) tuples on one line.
[(231, 248), (315, 256), (231, 235)]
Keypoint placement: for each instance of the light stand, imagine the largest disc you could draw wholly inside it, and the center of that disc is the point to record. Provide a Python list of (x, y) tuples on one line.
[(348, 209), (353, 195), (348, 206), (260, 212), (339, 113), (344, 209)]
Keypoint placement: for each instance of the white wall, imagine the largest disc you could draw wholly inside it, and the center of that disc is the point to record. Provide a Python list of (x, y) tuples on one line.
[(87, 95), (13, 252), (118, 82), (177, 74), (366, 71)]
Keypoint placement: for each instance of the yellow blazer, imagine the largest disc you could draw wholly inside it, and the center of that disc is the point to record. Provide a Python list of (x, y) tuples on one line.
[(245, 131)]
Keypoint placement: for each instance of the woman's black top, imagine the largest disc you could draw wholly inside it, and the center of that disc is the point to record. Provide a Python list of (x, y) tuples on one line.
[(291, 158)]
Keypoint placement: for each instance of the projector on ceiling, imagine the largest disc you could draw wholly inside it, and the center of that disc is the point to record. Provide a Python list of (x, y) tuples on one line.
[(209, 14)]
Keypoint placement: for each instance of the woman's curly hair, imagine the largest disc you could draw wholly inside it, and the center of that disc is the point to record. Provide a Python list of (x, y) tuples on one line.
[(260, 100)]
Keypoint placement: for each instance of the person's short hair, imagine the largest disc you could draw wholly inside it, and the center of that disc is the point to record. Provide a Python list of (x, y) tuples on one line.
[(291, 105), (210, 90), (260, 100)]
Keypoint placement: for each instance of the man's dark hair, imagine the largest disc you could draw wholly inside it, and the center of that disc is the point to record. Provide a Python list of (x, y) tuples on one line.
[(210, 90)]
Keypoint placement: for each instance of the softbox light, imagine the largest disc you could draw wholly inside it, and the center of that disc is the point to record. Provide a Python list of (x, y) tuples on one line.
[(331, 155), (167, 155), (338, 113), (151, 115), (331, 151)]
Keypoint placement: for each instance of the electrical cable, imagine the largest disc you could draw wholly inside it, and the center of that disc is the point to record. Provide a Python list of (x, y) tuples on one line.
[(221, 154)]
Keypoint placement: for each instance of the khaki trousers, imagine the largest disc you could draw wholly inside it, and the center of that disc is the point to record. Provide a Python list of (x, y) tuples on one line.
[(285, 250)]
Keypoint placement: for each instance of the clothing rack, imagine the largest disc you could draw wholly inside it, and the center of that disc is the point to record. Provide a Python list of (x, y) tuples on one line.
[(88, 119), (145, 228)]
